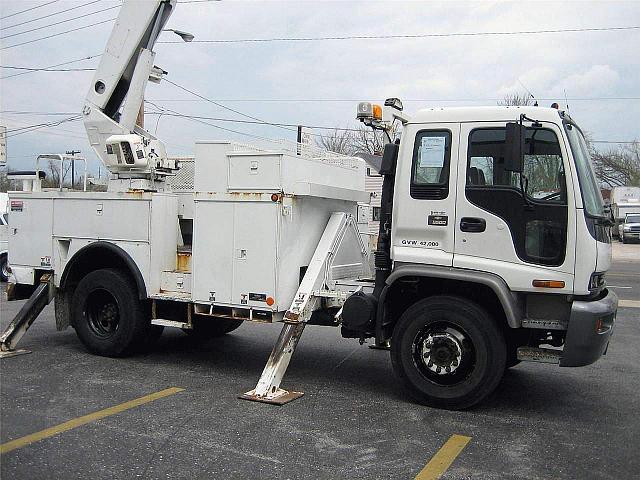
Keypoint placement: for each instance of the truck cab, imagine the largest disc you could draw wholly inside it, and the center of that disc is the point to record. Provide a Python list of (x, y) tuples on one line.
[(485, 258), (456, 205)]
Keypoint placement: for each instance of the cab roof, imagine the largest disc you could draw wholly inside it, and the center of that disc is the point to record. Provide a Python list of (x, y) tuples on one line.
[(484, 114)]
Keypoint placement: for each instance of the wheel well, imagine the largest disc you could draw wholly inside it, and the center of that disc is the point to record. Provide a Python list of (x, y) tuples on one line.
[(405, 291), (99, 255), (92, 257)]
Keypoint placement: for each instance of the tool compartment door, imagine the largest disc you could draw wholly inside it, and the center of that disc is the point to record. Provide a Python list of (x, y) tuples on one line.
[(254, 253), (30, 230)]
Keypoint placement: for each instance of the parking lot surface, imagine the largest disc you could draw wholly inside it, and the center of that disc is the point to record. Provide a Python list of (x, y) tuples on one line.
[(353, 422)]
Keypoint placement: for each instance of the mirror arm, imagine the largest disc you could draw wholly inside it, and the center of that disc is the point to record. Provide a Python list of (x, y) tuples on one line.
[(524, 186)]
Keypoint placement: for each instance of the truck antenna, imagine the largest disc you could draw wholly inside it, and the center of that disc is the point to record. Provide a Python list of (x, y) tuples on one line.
[(535, 102)]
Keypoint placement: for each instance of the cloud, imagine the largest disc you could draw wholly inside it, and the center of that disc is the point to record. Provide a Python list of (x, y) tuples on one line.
[(595, 64)]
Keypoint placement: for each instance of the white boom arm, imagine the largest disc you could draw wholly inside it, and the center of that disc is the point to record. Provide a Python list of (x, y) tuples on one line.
[(117, 92)]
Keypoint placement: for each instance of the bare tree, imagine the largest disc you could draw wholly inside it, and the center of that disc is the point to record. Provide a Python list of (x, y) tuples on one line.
[(57, 171), (339, 141), (370, 141), (516, 99), (618, 166), (6, 184), (350, 142)]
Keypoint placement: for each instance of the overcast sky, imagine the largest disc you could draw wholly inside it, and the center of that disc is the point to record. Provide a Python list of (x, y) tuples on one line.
[(592, 68)]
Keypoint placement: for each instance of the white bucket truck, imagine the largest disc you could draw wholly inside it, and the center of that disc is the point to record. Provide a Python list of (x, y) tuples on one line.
[(492, 248)]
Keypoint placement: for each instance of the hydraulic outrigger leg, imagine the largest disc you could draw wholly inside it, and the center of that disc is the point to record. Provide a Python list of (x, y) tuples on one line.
[(341, 230), (25, 317), (268, 389)]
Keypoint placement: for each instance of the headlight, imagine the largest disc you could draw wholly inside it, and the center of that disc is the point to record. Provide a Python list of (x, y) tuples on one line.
[(627, 228)]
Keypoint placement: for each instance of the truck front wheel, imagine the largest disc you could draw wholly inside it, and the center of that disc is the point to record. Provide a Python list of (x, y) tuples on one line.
[(448, 352), (108, 316)]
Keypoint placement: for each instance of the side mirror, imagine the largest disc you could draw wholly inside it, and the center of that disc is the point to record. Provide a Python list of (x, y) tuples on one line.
[(514, 147)]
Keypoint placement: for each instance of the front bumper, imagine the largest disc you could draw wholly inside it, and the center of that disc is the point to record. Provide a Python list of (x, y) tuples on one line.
[(590, 328)]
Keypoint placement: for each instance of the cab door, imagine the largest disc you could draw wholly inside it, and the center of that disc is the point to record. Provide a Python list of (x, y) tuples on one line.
[(425, 194), (499, 228)]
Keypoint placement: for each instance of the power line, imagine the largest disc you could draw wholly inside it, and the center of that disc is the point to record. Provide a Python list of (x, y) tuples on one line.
[(211, 124), (201, 119), (4, 27), (57, 34), (30, 128), (217, 103), (51, 66), (352, 100), (57, 122), (23, 112), (251, 122), (407, 36), (60, 22), (29, 9), (49, 69)]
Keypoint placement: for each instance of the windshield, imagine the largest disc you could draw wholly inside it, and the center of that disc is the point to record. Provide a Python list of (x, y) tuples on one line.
[(633, 219), (591, 196)]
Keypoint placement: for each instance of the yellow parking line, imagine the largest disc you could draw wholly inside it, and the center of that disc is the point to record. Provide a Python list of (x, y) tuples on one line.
[(629, 303), (77, 422), (442, 460)]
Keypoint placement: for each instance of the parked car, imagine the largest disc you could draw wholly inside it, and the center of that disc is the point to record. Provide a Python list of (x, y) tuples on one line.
[(630, 229)]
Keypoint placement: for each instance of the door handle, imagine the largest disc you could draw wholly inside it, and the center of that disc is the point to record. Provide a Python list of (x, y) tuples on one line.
[(473, 225)]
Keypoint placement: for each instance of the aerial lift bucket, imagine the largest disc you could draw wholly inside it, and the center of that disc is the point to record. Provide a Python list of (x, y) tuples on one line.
[(40, 298)]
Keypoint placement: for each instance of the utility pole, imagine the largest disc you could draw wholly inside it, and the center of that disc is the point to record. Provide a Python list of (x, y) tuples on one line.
[(73, 166)]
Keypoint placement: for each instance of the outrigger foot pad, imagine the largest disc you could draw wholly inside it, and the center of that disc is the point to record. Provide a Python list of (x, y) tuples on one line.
[(280, 397), (13, 353)]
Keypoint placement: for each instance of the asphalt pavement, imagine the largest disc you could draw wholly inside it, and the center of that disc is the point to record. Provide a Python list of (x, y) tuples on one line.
[(542, 422)]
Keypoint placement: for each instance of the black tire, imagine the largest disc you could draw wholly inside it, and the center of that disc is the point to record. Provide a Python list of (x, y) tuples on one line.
[(152, 335), (108, 317), (624, 240), (469, 344), (4, 264), (207, 328)]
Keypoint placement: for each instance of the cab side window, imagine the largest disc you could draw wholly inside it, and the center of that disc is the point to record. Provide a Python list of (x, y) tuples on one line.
[(431, 164)]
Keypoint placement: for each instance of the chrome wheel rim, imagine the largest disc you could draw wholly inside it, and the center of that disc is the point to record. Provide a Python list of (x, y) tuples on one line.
[(443, 353)]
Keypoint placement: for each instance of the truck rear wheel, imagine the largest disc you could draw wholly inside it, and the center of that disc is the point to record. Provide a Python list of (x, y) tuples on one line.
[(205, 329), (448, 352), (108, 316), (4, 268)]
